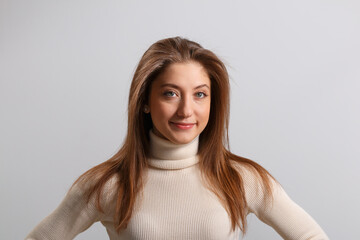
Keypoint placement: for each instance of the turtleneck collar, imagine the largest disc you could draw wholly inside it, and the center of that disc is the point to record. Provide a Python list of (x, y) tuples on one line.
[(168, 155)]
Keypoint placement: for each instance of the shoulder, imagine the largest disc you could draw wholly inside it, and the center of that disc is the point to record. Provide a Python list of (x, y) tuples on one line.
[(249, 172), (259, 187), (83, 191)]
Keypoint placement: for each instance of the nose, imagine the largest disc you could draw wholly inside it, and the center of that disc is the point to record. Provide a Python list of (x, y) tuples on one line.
[(185, 108)]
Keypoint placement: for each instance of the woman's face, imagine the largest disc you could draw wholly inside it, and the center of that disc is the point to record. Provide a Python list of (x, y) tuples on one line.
[(179, 102)]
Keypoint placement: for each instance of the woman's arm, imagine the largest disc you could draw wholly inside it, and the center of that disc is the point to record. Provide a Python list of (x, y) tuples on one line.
[(289, 219), (73, 216), (281, 213)]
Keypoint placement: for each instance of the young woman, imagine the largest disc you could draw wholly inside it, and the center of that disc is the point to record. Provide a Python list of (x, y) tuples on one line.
[(174, 177)]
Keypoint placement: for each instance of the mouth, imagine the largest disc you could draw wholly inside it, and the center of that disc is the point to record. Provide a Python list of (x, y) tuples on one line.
[(183, 126)]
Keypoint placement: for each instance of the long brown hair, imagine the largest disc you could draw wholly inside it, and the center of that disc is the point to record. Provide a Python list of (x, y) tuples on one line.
[(129, 162)]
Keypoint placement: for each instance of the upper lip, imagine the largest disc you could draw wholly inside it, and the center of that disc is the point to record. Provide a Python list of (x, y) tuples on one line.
[(182, 123)]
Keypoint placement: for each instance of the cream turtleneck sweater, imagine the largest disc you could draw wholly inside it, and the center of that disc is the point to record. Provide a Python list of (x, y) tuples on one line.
[(175, 204)]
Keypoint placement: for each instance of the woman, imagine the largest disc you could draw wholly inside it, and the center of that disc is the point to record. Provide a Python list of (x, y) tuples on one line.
[(174, 177)]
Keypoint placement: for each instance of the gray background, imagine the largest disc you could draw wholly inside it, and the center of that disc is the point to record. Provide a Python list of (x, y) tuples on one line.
[(66, 66)]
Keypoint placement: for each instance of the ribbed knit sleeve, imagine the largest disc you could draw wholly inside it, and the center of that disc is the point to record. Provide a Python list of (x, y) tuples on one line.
[(73, 216), (281, 213)]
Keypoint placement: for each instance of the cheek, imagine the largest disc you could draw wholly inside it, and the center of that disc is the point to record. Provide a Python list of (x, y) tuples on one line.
[(162, 111), (204, 112), (206, 109)]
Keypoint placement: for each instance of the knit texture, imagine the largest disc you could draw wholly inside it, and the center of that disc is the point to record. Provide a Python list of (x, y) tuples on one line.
[(175, 204)]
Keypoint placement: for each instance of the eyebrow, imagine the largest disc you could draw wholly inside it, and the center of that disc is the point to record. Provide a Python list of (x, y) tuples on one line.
[(177, 87)]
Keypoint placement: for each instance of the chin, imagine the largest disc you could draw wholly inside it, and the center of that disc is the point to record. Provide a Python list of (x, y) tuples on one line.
[(183, 139)]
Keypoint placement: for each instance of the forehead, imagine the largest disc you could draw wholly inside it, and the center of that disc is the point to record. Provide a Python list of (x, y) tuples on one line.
[(183, 74)]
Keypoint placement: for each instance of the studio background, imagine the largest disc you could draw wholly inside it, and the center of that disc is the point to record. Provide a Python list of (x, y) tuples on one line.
[(66, 67)]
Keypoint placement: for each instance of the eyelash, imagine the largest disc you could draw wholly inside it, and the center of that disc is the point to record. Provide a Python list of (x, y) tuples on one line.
[(169, 94), (204, 94)]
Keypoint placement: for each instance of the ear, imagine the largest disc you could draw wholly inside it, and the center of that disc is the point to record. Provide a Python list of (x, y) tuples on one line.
[(146, 109)]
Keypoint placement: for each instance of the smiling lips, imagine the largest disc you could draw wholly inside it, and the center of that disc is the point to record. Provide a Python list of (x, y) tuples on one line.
[(183, 126)]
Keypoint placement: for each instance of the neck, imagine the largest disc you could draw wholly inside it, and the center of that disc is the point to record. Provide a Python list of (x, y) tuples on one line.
[(168, 155)]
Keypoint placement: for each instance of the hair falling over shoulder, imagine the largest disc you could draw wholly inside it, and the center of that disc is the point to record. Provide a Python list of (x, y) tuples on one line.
[(129, 163)]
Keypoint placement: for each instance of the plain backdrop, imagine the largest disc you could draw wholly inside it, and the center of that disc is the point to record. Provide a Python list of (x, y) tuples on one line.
[(66, 67)]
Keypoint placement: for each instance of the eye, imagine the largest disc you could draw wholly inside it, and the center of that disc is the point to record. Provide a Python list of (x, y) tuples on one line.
[(169, 94), (200, 94)]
